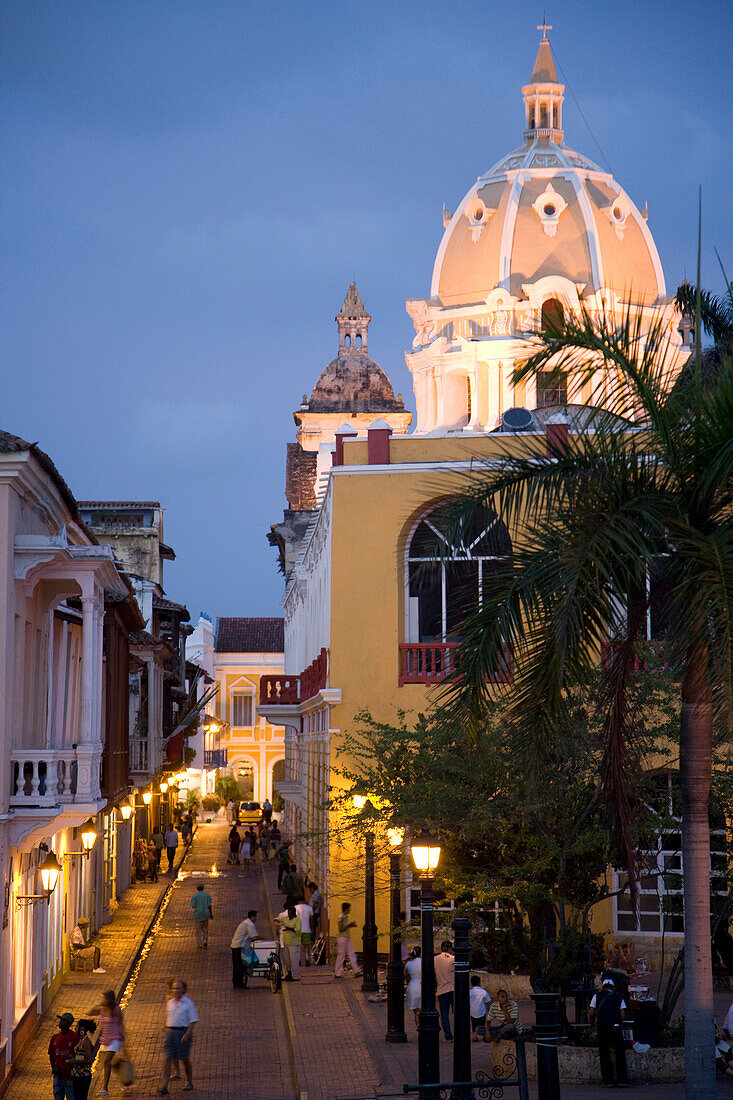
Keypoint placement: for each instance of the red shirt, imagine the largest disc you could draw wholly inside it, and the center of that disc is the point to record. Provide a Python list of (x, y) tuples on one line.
[(61, 1052)]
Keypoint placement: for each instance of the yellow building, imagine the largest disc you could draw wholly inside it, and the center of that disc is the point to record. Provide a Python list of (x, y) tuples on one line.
[(544, 231), (251, 746)]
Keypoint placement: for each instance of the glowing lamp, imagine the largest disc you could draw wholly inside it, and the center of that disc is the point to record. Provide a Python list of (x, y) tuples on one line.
[(425, 851), (163, 787), (126, 811), (147, 797), (50, 870), (395, 837), (88, 835)]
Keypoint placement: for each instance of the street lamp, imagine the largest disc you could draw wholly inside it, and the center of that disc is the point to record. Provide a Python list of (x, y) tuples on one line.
[(50, 870), (88, 840), (425, 855), (396, 967), (369, 932), (126, 811), (147, 797)]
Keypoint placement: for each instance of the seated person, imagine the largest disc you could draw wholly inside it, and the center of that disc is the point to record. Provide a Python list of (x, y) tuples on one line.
[(478, 1000), (503, 1018), (723, 1055), (84, 950)]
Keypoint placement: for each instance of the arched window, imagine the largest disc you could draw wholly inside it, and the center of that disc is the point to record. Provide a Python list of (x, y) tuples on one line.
[(347, 341), (553, 314), (446, 580), (358, 340)]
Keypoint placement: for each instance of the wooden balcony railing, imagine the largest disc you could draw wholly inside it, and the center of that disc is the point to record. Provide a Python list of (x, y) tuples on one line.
[(431, 662), (286, 690)]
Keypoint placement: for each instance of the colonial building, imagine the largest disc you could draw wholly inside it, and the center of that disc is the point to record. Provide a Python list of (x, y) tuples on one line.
[(544, 231), (68, 610), (252, 747)]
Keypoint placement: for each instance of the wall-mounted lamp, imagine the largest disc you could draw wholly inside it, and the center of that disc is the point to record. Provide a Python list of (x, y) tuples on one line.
[(147, 797), (163, 787), (88, 840), (126, 811), (50, 870)]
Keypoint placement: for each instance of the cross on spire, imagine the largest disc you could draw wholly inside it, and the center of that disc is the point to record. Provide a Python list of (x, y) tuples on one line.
[(544, 26)]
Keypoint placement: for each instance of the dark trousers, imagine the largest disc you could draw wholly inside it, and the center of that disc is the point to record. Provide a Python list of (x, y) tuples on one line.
[(610, 1038), (171, 858), (282, 871), (237, 968), (445, 1004)]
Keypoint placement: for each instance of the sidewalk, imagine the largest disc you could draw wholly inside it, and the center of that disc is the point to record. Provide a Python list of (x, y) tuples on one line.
[(119, 942), (339, 1052)]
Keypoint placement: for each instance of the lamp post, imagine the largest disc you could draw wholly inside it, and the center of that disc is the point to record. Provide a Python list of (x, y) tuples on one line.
[(462, 1008), (396, 967), (369, 932), (425, 854)]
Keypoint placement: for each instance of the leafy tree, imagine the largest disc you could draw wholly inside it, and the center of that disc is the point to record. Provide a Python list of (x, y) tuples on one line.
[(542, 853), (592, 521), (226, 788)]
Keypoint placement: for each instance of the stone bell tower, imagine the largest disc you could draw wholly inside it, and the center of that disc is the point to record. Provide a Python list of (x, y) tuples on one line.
[(353, 324)]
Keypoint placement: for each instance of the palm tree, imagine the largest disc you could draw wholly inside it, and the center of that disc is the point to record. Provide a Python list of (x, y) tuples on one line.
[(644, 488)]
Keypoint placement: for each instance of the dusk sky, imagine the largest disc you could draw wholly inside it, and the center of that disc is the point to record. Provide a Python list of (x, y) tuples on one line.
[(189, 188)]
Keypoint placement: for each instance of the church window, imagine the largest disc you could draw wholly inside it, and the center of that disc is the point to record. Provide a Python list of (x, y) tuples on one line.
[(358, 340), (553, 314), (347, 341), (549, 209), (448, 573), (552, 389)]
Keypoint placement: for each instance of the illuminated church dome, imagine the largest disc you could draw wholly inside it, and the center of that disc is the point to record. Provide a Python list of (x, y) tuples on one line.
[(544, 228)]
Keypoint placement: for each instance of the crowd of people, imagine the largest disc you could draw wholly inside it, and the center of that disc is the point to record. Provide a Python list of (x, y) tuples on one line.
[(257, 844)]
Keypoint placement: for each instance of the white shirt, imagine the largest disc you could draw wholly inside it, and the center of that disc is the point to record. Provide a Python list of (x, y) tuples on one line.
[(728, 1021), (479, 999), (180, 1013), (305, 912), (78, 940), (171, 839), (244, 934)]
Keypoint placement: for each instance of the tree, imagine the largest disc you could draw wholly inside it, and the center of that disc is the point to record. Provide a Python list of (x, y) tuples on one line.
[(541, 855), (593, 521)]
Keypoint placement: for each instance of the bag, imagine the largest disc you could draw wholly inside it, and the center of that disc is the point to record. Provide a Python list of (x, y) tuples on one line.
[(126, 1071)]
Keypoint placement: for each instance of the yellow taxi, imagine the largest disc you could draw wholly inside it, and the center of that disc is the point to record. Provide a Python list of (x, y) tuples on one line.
[(249, 813)]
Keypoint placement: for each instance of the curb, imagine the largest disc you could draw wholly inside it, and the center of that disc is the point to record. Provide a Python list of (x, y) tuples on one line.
[(295, 1055)]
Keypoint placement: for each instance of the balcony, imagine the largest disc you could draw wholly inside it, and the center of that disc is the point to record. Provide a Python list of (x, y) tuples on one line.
[(432, 662), (42, 778), (215, 758), (286, 690), (139, 756)]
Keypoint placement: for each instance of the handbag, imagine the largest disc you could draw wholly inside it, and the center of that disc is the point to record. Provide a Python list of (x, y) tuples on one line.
[(126, 1071)]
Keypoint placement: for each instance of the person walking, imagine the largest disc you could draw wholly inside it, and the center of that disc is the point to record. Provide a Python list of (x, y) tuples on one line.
[(283, 863), (345, 948), (244, 936), (413, 973), (235, 843), (305, 912), (171, 843), (246, 850), (444, 986), (61, 1056), (152, 861), (186, 828), (180, 1019), (267, 811), (607, 1010), (315, 901), (287, 886), (202, 913), (159, 841), (111, 1035), (291, 928), (81, 1068)]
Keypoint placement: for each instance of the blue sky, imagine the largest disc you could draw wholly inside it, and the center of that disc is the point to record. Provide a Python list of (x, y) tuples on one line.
[(190, 187)]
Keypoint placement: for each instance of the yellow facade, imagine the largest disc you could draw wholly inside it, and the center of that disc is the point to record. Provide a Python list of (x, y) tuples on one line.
[(254, 746)]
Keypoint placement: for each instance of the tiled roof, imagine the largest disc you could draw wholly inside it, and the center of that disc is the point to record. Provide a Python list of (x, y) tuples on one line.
[(169, 605), (13, 444), (119, 504), (235, 635)]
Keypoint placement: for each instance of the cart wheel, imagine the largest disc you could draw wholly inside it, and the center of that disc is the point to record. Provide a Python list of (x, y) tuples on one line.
[(275, 976)]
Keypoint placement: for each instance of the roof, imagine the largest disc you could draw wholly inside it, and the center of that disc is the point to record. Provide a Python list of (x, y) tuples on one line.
[(120, 504), (353, 305), (143, 639), (170, 605), (544, 66), (13, 444), (353, 383), (237, 635)]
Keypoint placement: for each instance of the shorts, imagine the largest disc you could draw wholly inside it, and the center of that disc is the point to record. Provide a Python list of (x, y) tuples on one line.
[(173, 1044), (115, 1045), (305, 938)]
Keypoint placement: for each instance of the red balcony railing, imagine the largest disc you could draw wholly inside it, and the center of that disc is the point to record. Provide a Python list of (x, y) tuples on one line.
[(431, 662), (283, 690)]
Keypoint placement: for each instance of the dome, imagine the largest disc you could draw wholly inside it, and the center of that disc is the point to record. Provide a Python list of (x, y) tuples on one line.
[(545, 210), (353, 383)]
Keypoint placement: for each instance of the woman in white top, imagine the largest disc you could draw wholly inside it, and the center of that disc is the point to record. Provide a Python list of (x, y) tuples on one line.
[(413, 973)]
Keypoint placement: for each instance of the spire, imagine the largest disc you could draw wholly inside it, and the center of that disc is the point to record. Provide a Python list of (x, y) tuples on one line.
[(543, 96), (353, 324)]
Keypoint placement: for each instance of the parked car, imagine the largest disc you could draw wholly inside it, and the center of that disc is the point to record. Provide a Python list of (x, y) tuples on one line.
[(249, 812)]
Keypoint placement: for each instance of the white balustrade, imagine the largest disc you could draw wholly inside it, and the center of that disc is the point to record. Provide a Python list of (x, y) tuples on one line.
[(42, 777)]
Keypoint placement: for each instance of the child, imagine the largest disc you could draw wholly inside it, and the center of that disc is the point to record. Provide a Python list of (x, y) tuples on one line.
[(479, 1000)]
